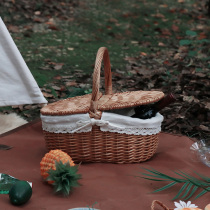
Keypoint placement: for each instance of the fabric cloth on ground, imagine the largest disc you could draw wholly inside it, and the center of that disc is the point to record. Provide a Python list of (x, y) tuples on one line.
[(112, 186)]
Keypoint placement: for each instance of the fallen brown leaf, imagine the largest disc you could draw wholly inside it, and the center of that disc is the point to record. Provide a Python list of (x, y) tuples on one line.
[(71, 83)]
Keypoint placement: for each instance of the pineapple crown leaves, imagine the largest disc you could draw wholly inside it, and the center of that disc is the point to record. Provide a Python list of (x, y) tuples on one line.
[(64, 177), (190, 184)]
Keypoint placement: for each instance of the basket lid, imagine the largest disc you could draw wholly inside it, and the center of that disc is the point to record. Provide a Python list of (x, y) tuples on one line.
[(81, 104)]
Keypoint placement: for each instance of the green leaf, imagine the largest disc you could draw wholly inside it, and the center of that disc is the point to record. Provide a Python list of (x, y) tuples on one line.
[(191, 33), (193, 180), (59, 187), (180, 191), (187, 190), (200, 194), (192, 192), (198, 69), (207, 179), (208, 189), (157, 176), (192, 53), (203, 41), (185, 42), (152, 179), (165, 187), (164, 176)]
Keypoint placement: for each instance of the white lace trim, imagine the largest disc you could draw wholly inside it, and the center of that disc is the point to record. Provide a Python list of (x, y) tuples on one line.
[(111, 122)]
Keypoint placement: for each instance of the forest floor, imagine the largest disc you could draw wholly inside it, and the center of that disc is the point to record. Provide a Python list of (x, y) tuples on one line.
[(153, 45)]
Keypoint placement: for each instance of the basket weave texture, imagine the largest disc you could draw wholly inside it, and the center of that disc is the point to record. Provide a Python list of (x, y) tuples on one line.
[(98, 146)]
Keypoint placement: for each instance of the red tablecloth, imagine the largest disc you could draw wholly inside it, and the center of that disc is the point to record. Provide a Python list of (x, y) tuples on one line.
[(112, 186)]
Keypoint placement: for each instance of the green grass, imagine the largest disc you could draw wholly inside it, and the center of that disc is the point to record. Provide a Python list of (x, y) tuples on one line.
[(121, 26)]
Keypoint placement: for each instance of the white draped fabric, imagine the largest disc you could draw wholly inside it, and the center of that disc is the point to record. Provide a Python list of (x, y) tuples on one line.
[(17, 85), (111, 122)]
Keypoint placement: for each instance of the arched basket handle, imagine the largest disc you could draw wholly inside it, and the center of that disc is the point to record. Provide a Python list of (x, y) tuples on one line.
[(102, 55)]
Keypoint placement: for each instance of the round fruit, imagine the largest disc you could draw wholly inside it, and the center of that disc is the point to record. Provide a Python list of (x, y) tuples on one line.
[(58, 168), (48, 162), (20, 193)]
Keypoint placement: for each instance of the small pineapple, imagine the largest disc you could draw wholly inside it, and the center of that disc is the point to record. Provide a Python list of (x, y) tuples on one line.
[(58, 169)]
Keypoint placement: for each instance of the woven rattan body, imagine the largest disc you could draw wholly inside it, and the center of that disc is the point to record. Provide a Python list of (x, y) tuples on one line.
[(98, 146)]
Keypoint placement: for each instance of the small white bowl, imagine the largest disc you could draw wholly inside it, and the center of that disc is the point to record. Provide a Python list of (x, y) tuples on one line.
[(83, 208)]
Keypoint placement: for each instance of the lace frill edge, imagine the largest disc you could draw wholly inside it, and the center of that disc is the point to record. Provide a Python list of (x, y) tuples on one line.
[(129, 131)]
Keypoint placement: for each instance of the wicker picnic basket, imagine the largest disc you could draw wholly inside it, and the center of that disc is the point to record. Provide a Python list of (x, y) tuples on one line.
[(96, 145)]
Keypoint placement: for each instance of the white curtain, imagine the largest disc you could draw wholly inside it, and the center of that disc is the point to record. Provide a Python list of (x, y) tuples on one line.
[(17, 85)]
